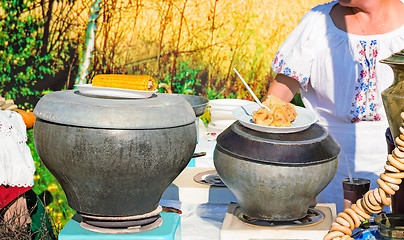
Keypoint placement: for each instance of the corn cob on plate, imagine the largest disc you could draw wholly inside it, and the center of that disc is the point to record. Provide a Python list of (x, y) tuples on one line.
[(119, 86)]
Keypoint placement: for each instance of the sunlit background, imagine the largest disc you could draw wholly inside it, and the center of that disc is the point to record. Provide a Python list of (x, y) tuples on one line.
[(190, 45)]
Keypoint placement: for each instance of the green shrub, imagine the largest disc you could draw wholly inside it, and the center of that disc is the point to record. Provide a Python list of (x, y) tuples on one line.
[(22, 64)]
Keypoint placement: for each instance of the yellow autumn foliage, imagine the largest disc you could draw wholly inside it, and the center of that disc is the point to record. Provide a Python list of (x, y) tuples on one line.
[(215, 35)]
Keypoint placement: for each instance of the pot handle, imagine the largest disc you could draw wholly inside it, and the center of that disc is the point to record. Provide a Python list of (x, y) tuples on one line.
[(199, 154)]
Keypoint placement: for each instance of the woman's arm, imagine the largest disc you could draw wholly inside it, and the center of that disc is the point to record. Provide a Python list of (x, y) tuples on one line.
[(283, 87)]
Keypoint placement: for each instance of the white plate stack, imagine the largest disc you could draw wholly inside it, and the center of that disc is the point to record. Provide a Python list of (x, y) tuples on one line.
[(221, 111)]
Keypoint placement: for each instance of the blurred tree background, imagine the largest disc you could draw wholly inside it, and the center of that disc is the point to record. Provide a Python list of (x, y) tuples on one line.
[(190, 45), (38, 48), (179, 42)]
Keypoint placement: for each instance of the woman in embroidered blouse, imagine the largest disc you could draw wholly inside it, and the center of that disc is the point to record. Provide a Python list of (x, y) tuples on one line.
[(333, 58), (21, 211)]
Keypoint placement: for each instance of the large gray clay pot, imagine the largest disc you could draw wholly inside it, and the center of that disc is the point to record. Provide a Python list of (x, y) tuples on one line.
[(275, 177), (114, 157)]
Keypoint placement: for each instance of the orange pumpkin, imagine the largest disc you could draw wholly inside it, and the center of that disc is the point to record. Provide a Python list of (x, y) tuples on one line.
[(28, 117)]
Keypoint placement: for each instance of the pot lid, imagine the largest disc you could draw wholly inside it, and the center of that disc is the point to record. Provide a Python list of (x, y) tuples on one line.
[(69, 107), (396, 58), (311, 146), (198, 103)]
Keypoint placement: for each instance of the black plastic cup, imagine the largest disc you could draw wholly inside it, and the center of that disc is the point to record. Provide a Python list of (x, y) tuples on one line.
[(354, 190)]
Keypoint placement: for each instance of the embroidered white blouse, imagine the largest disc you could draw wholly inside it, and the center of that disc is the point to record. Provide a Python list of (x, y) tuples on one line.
[(17, 166), (342, 80)]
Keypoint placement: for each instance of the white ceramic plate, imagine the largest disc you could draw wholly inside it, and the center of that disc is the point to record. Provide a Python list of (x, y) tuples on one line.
[(304, 119), (227, 104), (89, 90)]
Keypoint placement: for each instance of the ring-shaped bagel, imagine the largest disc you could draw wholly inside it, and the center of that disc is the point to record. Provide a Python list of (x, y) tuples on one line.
[(395, 162), (354, 217), (390, 179), (386, 199), (360, 211), (399, 175), (385, 187), (369, 206), (390, 168), (342, 229), (376, 195), (348, 219), (397, 153), (399, 142), (400, 148), (342, 221), (372, 198), (401, 130), (361, 218), (393, 186)]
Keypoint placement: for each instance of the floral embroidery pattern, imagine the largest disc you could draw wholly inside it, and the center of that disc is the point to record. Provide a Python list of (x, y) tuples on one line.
[(281, 67), (364, 106)]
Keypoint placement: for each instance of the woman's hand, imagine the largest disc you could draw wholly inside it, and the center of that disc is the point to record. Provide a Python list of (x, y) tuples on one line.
[(283, 87)]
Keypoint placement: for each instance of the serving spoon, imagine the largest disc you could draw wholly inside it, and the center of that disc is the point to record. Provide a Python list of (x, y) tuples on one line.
[(251, 91)]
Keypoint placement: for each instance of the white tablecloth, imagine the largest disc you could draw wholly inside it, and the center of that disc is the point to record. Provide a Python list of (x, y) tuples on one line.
[(201, 221)]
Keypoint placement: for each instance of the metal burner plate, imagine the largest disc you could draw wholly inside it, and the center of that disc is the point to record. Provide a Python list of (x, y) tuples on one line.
[(313, 217), (135, 229), (121, 224), (210, 177), (127, 224), (235, 229)]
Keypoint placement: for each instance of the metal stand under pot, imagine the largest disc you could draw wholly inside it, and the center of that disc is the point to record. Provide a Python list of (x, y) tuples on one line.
[(170, 229), (315, 225)]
